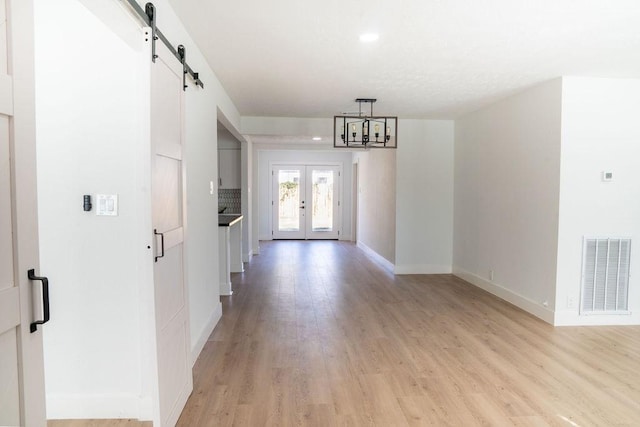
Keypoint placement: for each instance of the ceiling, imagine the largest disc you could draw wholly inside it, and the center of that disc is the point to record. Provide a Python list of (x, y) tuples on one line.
[(433, 58)]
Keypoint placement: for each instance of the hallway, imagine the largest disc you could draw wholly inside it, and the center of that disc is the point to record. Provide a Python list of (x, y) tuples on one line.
[(316, 333)]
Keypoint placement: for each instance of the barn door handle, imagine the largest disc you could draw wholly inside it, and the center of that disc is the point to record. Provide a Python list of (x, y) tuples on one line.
[(45, 299), (155, 231)]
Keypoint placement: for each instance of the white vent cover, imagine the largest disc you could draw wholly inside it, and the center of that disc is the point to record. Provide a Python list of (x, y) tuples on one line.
[(605, 276)]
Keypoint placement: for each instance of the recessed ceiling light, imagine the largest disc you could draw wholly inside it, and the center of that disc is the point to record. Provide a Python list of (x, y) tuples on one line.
[(368, 37), (317, 138)]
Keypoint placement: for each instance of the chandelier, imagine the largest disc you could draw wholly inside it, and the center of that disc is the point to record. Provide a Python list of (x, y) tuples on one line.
[(365, 131)]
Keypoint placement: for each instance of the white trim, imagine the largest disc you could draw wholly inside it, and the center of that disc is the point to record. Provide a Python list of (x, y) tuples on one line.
[(262, 237), (508, 295), (355, 195), (225, 289), (246, 257), (572, 318), (208, 328), (423, 269), (345, 237), (385, 263), (6, 95), (98, 406)]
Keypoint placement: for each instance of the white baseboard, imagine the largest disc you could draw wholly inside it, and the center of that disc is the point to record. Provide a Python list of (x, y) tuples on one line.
[(422, 269), (508, 295), (246, 257), (573, 318), (265, 237), (196, 349), (345, 237), (385, 263), (98, 406)]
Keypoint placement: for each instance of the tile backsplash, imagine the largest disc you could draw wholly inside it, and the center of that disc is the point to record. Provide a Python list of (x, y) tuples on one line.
[(231, 199)]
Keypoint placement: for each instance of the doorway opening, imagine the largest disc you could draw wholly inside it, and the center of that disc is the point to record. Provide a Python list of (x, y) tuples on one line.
[(305, 200)]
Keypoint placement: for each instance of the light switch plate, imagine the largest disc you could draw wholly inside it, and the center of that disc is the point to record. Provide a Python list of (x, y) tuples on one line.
[(107, 204)]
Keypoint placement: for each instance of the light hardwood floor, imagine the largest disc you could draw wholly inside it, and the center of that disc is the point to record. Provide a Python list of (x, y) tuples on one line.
[(318, 334)]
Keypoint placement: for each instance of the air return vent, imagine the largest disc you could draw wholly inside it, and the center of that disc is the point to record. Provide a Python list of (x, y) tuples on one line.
[(605, 276)]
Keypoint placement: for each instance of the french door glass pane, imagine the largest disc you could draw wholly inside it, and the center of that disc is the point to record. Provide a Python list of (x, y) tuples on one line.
[(289, 200), (322, 205)]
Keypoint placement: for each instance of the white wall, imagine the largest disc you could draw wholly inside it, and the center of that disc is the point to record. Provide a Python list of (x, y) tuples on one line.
[(91, 139), (263, 159), (377, 202), (202, 209), (424, 197), (506, 197), (226, 141), (600, 132), (287, 126)]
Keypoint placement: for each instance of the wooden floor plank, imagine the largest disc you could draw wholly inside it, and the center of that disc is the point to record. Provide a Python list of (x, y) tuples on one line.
[(347, 343)]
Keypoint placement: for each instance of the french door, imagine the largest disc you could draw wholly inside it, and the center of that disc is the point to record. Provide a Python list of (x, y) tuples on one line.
[(305, 201), (23, 297), (175, 381)]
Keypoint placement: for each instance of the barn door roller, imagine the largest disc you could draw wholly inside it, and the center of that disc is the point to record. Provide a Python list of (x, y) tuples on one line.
[(149, 17)]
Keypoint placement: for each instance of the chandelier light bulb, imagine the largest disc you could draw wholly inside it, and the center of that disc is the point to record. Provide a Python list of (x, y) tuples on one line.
[(365, 131)]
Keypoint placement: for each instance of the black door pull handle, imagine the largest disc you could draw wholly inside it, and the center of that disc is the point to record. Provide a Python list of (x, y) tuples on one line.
[(155, 232), (31, 274)]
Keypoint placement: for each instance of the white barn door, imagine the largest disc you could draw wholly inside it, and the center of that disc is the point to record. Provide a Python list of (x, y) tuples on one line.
[(22, 400), (175, 381)]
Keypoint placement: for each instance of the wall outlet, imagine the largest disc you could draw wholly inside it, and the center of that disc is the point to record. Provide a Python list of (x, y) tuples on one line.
[(571, 302), (491, 275)]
